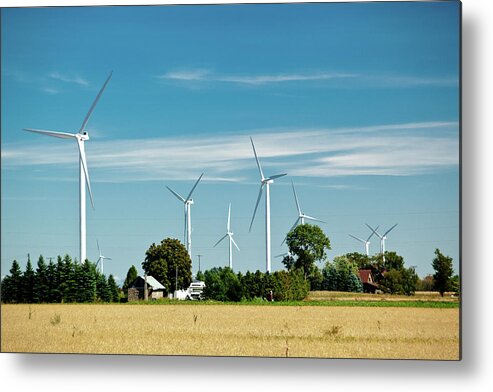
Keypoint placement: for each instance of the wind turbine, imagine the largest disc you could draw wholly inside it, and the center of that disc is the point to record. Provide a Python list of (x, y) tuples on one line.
[(80, 137), (301, 215), (264, 182), (101, 259), (188, 215), (366, 242), (229, 234), (382, 238)]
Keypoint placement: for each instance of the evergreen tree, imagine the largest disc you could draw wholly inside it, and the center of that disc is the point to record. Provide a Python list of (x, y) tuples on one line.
[(102, 290), (113, 289), (131, 276), (53, 292), (12, 285), (28, 283), (41, 289), (85, 278)]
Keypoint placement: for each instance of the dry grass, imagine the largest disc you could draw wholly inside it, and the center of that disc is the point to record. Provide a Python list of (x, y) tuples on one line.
[(343, 296), (223, 330)]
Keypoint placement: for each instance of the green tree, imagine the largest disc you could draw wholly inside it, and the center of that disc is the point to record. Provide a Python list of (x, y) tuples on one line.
[(455, 284), (86, 282), (169, 263), (53, 292), (341, 275), (443, 272), (113, 289), (425, 284), (221, 284), (200, 276), (132, 274), (12, 284), (102, 290), (28, 283), (41, 283), (307, 243)]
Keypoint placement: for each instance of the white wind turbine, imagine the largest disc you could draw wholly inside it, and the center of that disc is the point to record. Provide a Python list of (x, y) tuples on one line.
[(229, 234), (301, 215), (80, 137), (382, 238), (264, 182), (188, 215), (101, 259), (366, 242)]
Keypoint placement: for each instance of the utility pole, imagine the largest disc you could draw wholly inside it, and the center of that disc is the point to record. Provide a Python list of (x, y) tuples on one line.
[(199, 256)]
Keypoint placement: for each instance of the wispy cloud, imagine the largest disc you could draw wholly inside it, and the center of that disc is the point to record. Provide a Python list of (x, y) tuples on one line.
[(397, 150), (202, 75), (68, 79), (352, 80)]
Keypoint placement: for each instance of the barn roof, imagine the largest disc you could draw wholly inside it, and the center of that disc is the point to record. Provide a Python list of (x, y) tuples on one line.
[(151, 281), (365, 276)]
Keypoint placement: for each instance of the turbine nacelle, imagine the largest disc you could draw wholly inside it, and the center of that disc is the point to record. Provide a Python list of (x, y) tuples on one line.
[(82, 136)]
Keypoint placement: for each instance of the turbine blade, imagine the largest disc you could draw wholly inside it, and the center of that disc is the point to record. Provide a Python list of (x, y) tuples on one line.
[(296, 199), (258, 163), (190, 194), (277, 176), (222, 238), (229, 217), (99, 249), (106, 258), (290, 230), (82, 156), (61, 135), (256, 206), (374, 230), (357, 238), (234, 243), (389, 230), (282, 255), (313, 219), (176, 194), (88, 115)]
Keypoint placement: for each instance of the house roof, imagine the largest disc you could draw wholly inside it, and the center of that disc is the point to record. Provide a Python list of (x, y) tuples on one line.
[(151, 281), (365, 276)]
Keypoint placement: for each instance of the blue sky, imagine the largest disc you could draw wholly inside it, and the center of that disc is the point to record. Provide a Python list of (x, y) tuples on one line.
[(357, 102)]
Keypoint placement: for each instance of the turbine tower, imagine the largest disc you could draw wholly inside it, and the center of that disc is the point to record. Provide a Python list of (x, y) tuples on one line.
[(80, 137), (101, 259), (229, 234), (301, 215), (264, 182), (382, 238), (366, 242), (188, 215)]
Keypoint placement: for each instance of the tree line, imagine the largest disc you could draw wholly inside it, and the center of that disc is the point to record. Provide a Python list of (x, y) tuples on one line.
[(60, 282)]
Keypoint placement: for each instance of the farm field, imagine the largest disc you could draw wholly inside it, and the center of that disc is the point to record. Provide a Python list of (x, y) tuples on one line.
[(230, 330)]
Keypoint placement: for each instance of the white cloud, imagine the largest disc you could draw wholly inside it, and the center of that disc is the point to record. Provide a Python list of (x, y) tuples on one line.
[(399, 149), (207, 76), (358, 80), (69, 79)]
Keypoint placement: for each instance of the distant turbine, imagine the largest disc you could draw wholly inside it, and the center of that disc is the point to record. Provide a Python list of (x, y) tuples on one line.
[(301, 215), (264, 182), (367, 242), (188, 215), (101, 259), (229, 234), (80, 137), (382, 238)]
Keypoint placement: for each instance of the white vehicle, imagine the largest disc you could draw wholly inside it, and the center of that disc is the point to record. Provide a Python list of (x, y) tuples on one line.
[(196, 290)]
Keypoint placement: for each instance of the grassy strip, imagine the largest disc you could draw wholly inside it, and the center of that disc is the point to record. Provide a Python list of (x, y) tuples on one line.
[(348, 303)]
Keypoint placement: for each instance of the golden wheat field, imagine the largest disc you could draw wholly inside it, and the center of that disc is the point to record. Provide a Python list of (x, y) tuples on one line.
[(229, 330)]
